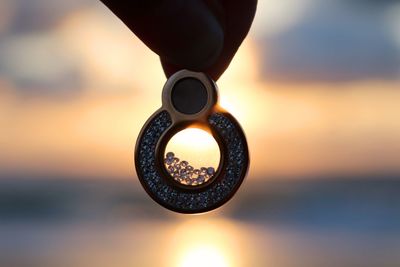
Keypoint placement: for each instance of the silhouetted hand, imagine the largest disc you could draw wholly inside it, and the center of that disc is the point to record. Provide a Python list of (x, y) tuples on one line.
[(199, 35)]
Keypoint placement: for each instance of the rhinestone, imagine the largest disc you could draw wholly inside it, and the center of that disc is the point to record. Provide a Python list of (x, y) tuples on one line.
[(168, 161), (210, 171), (184, 163), (177, 166), (189, 168), (200, 179), (170, 155), (171, 169)]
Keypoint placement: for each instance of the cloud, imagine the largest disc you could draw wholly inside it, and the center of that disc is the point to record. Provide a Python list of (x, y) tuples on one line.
[(333, 42), (87, 49), (39, 15), (32, 57), (39, 62)]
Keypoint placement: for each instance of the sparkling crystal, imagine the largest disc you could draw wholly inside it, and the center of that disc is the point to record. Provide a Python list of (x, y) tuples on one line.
[(184, 163), (170, 155), (177, 166), (189, 168), (210, 171), (200, 179), (168, 161), (183, 172)]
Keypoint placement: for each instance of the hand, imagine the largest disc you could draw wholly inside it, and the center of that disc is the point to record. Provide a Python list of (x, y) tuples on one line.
[(199, 35)]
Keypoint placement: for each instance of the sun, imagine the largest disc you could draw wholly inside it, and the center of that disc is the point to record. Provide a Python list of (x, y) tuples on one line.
[(196, 146)]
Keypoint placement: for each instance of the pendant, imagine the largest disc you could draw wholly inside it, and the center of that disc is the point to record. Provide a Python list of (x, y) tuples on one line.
[(190, 99)]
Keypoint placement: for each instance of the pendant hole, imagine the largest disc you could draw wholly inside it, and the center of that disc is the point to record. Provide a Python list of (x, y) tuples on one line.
[(192, 157)]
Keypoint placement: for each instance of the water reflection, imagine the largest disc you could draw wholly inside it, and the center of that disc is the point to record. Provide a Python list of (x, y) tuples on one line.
[(205, 242), (203, 256), (292, 224)]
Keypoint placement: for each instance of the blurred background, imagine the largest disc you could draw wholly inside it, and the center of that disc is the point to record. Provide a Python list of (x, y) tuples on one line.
[(316, 86)]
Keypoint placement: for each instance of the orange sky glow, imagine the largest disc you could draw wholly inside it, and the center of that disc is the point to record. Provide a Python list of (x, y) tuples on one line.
[(293, 130)]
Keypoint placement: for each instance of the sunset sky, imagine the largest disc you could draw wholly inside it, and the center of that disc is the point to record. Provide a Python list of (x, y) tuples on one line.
[(76, 86)]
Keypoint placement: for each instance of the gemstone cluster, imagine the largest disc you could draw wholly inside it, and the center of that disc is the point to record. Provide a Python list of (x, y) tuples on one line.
[(186, 174)]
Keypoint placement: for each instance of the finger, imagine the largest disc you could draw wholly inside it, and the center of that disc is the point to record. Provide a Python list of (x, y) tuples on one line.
[(182, 32), (237, 19)]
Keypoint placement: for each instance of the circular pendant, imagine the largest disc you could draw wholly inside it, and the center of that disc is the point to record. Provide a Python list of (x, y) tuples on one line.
[(190, 99)]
